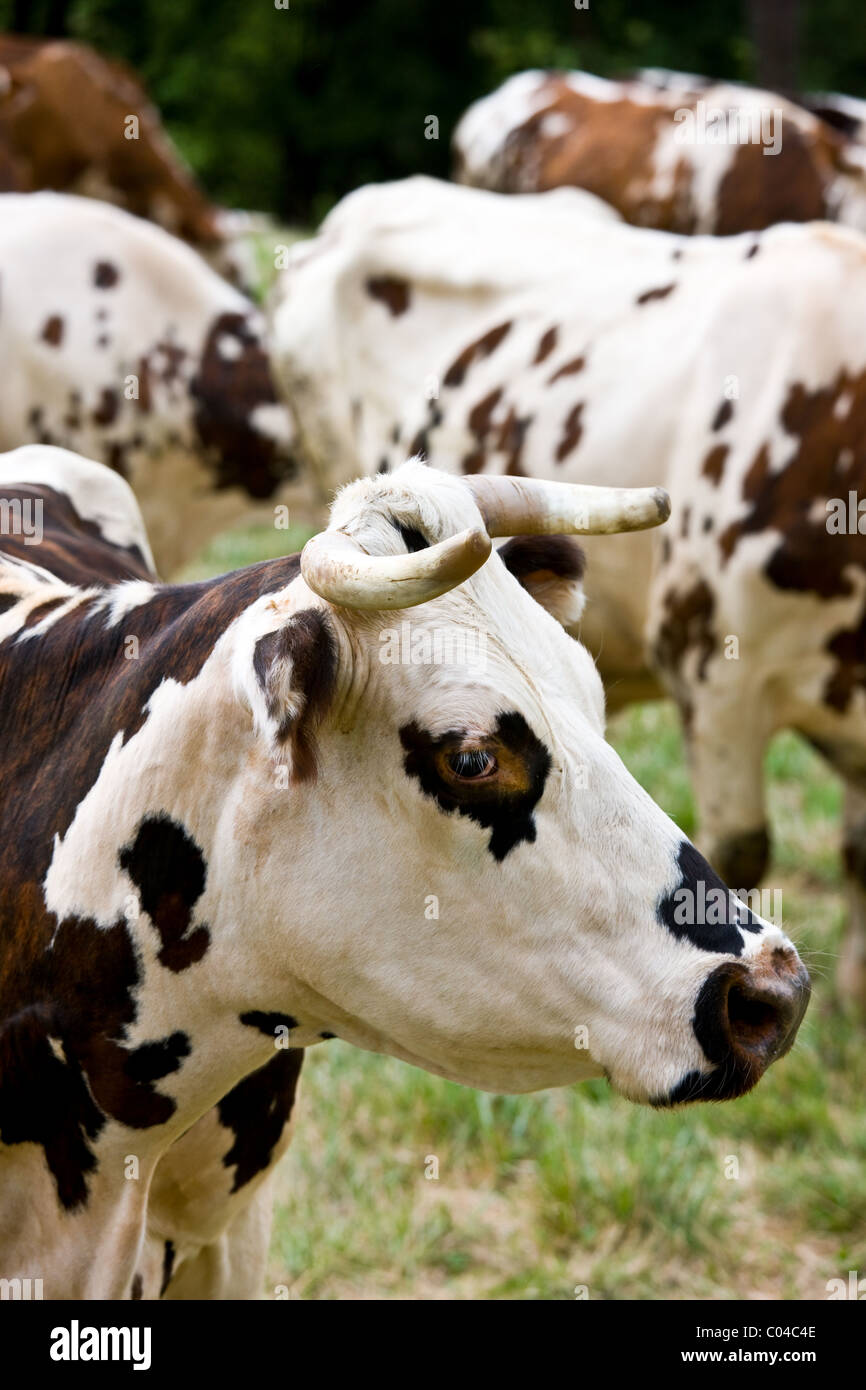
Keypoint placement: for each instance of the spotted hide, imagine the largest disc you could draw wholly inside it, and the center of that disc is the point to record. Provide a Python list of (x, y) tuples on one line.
[(683, 155), (118, 341), (223, 815), (538, 339)]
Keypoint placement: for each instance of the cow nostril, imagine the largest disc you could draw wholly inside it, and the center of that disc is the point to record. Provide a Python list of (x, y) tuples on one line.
[(746, 1016), (754, 1023), (763, 1004)]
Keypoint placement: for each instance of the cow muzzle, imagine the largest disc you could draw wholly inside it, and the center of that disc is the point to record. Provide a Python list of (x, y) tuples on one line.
[(746, 1016)]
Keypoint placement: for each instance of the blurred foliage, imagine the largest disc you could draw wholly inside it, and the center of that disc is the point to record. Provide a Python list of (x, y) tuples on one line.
[(285, 110)]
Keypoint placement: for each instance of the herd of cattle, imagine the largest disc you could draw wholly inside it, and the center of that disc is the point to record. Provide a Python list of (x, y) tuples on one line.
[(225, 817)]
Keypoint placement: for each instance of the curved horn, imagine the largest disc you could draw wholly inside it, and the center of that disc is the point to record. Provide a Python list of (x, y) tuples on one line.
[(339, 570), (535, 507)]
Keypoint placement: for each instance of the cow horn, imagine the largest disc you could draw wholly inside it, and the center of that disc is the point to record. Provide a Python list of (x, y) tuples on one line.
[(535, 507), (338, 569)]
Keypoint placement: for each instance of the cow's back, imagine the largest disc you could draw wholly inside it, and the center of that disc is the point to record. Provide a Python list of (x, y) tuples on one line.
[(566, 347), (721, 158)]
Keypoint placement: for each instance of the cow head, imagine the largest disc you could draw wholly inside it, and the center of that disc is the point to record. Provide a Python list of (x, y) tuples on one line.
[(457, 868), (370, 796)]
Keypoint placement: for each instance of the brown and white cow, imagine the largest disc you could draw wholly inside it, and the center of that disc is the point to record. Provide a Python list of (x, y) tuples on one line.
[(75, 121), (524, 336), (226, 806), (689, 158), (118, 341)]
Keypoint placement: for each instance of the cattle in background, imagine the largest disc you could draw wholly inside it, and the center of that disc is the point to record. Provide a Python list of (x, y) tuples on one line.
[(65, 125), (521, 336), (224, 814), (719, 158), (118, 341)]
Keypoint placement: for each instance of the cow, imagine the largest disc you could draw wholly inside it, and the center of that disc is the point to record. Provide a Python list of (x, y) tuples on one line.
[(74, 121), (720, 158), (226, 807), (523, 336), (119, 342)]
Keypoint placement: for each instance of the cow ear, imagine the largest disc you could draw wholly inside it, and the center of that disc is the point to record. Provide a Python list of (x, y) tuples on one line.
[(295, 669), (551, 569)]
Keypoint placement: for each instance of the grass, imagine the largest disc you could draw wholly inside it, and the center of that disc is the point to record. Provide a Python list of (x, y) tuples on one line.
[(538, 1196), (231, 550)]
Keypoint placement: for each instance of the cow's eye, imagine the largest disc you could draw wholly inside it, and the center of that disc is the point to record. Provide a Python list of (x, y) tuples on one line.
[(472, 765)]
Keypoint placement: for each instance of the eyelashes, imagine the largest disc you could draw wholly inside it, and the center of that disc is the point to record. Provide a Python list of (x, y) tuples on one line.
[(472, 764)]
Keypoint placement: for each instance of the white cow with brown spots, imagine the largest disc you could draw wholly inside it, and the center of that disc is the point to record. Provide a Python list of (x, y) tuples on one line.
[(117, 340), (525, 336), (685, 156)]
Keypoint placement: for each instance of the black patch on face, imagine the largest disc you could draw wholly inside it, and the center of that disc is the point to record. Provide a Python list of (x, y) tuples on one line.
[(257, 1110), (507, 813), (326, 1037), (733, 1075), (268, 1023), (686, 917), (8, 601), (168, 1255), (723, 415), (413, 539), (105, 275), (698, 1085), (168, 868)]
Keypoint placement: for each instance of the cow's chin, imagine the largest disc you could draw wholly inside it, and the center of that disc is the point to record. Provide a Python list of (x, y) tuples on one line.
[(535, 1072), (692, 1081), (720, 1083)]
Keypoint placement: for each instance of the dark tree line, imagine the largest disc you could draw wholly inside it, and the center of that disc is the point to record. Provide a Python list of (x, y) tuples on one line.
[(287, 109)]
